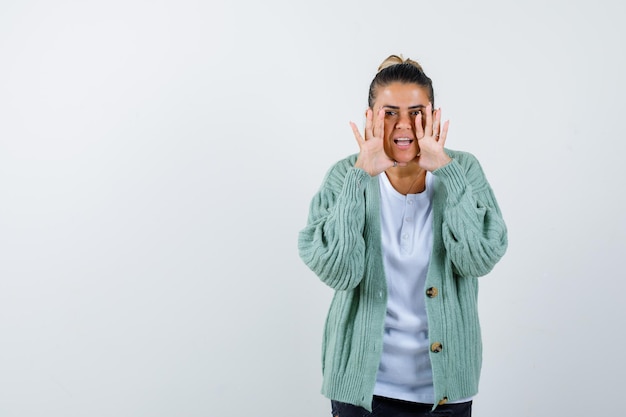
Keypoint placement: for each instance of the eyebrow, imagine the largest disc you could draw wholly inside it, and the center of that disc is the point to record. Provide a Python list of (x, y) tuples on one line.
[(418, 106)]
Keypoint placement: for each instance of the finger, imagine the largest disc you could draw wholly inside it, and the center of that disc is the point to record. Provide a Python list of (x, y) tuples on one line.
[(379, 125), (428, 128), (368, 123), (436, 122), (444, 133), (357, 134), (419, 129)]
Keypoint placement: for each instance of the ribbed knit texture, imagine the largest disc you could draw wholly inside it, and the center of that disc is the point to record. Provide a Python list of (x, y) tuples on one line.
[(341, 244)]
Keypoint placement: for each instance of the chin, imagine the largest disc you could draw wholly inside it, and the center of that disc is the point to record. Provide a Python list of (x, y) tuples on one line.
[(405, 157)]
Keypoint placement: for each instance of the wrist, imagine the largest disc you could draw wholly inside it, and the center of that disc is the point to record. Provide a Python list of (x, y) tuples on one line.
[(363, 166), (437, 163), (444, 160)]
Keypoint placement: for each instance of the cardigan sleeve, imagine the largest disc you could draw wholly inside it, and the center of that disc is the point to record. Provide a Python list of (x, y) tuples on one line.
[(473, 230), (332, 243)]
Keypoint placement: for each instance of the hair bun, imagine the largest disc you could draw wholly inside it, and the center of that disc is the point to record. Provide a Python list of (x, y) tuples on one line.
[(397, 59)]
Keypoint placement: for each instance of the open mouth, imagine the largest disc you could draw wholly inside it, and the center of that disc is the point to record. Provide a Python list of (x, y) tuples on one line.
[(403, 141)]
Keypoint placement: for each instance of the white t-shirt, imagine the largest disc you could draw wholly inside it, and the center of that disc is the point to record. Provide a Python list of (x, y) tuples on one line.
[(407, 234)]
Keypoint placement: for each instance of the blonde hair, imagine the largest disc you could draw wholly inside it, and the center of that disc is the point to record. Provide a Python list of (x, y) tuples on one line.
[(395, 68), (398, 59)]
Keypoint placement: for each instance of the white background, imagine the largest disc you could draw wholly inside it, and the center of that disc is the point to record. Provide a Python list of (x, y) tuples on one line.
[(157, 159)]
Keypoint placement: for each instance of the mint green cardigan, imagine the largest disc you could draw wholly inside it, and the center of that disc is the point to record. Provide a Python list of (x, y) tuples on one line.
[(341, 244)]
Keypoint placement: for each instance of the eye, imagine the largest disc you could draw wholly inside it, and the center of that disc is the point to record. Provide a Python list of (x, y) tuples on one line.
[(416, 113), (390, 113)]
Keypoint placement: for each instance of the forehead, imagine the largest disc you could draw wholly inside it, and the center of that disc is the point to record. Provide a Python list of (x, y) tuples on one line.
[(402, 95)]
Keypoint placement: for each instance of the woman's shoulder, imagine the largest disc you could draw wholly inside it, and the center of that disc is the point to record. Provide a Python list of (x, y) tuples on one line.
[(346, 162), (338, 171), (341, 167), (466, 159), (461, 156)]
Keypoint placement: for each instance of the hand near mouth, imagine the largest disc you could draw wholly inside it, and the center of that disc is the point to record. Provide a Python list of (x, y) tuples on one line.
[(372, 157), (431, 140)]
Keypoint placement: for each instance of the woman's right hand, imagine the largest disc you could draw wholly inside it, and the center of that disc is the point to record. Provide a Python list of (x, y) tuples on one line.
[(372, 157)]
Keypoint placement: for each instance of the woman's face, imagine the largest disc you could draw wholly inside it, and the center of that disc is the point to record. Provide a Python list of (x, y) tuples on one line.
[(402, 103)]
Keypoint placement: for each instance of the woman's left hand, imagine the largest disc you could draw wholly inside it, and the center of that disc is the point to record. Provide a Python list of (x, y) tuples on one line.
[(431, 139)]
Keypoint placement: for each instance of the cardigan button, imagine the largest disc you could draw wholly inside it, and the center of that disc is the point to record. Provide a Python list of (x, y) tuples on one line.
[(432, 292), (436, 347)]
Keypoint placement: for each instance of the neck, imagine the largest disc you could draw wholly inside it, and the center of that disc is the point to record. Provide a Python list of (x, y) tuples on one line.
[(407, 180)]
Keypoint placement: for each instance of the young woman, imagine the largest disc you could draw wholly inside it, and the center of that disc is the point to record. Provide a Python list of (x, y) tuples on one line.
[(401, 231)]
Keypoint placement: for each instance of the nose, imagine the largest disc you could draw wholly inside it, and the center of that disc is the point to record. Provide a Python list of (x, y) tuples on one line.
[(404, 121)]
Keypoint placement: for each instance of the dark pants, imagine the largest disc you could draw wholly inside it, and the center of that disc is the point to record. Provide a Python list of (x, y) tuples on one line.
[(387, 407)]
